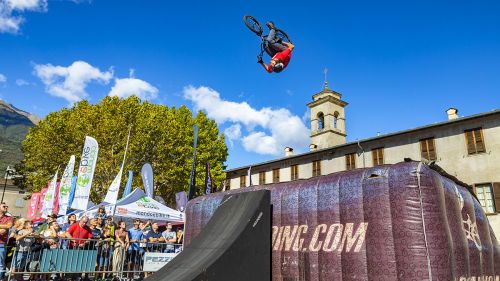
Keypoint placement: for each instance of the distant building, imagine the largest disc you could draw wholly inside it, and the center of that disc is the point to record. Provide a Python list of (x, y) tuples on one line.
[(465, 147), (15, 198)]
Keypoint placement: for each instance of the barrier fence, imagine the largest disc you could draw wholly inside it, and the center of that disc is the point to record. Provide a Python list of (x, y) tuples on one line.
[(72, 259)]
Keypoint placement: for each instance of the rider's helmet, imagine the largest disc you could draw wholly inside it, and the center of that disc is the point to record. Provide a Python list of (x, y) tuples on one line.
[(278, 67)]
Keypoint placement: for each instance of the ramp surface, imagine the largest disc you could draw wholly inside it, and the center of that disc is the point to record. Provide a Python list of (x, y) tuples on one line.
[(234, 245)]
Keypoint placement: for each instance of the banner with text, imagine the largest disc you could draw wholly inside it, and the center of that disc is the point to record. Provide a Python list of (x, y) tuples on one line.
[(85, 174), (65, 186)]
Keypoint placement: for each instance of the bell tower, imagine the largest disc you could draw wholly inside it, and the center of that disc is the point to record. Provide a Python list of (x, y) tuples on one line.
[(327, 119)]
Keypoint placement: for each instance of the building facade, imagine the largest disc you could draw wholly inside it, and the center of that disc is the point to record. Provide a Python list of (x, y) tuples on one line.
[(466, 147)]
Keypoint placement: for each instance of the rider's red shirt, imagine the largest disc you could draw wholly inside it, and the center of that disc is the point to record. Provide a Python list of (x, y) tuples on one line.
[(283, 56)]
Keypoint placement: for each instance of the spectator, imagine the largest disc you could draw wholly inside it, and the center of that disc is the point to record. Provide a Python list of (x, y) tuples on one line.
[(169, 237), (180, 236), (52, 235), (106, 251), (134, 251), (5, 225), (122, 240), (101, 213), (45, 225), (100, 223), (24, 238), (153, 236), (71, 221), (79, 232)]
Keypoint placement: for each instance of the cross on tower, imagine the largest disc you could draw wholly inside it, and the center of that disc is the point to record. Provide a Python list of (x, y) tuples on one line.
[(326, 79)]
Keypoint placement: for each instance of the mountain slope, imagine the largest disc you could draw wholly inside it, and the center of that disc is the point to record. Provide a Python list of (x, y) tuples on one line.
[(14, 125)]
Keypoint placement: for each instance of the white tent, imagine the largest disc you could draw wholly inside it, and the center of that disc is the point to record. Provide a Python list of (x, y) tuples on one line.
[(138, 205)]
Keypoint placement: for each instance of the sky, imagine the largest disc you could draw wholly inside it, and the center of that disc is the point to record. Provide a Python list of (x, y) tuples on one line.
[(399, 64)]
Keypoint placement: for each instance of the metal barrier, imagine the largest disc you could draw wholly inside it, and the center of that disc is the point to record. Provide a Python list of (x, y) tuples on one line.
[(70, 259)]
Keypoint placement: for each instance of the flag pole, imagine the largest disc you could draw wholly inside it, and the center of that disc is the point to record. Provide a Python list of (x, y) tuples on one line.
[(192, 178)]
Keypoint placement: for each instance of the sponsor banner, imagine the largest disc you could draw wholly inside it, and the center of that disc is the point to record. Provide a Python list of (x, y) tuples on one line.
[(39, 208), (138, 205), (65, 186), (32, 207), (147, 179), (208, 180), (154, 261), (48, 200), (128, 186), (114, 188), (85, 174), (55, 208)]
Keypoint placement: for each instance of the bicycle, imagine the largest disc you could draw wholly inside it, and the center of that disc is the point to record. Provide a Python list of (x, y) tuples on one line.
[(256, 28)]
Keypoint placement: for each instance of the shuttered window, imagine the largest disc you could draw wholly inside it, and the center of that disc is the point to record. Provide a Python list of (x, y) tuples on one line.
[(484, 193), (475, 141), (428, 149), (378, 156), (316, 168), (243, 181), (262, 178), (294, 171), (350, 161), (276, 175)]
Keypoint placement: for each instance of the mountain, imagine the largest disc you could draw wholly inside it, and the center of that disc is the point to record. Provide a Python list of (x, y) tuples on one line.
[(14, 126)]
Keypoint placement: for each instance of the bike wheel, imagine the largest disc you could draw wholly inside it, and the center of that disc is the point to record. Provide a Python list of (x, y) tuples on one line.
[(281, 34), (253, 25)]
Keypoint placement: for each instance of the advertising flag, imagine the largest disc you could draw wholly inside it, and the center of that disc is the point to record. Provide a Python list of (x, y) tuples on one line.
[(114, 188), (181, 201), (72, 192), (48, 201), (147, 179), (192, 177), (128, 186), (32, 208), (55, 208), (65, 186), (85, 174), (39, 208), (208, 180)]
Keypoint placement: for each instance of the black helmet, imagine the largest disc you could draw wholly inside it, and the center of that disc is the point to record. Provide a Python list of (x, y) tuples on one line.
[(278, 67)]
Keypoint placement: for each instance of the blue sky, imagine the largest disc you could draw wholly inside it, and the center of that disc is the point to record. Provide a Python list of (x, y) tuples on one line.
[(399, 64)]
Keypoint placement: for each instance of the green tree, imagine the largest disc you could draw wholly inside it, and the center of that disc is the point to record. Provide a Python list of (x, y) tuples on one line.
[(160, 135)]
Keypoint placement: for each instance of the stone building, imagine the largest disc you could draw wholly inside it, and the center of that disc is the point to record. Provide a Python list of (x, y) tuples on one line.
[(465, 147)]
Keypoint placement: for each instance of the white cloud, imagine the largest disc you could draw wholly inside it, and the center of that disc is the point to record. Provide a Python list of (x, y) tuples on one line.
[(269, 130), (11, 10), (233, 132), (22, 82), (3, 79), (127, 87), (70, 82)]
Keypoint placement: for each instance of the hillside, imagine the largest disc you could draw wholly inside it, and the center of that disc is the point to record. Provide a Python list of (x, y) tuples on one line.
[(14, 125)]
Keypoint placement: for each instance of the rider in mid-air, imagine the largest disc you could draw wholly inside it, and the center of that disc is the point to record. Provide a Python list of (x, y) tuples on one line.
[(279, 51)]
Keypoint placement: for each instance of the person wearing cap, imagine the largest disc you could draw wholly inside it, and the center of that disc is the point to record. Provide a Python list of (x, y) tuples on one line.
[(41, 229)]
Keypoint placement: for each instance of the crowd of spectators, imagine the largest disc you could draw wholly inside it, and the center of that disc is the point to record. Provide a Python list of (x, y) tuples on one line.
[(119, 248)]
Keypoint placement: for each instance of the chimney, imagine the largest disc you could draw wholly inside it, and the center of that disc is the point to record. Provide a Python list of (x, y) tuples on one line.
[(452, 113), (313, 146), (288, 151)]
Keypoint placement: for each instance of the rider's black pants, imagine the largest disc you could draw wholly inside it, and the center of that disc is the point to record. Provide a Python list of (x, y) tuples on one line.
[(272, 47)]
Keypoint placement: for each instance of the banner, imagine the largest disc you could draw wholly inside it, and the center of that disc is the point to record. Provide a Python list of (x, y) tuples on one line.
[(181, 201), (55, 205), (65, 186), (72, 192), (128, 186), (147, 179), (192, 177), (39, 208), (85, 174), (154, 261), (114, 188), (48, 200), (208, 180), (32, 207)]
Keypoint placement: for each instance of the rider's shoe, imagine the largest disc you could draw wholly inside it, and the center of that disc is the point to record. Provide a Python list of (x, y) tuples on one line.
[(271, 25)]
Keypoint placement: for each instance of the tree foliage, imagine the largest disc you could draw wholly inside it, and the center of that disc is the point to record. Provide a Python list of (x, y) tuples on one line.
[(160, 135)]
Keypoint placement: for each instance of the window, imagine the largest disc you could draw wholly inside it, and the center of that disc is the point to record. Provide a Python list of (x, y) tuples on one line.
[(484, 193), (475, 141), (262, 178), (350, 161), (243, 181), (227, 184), (276, 175), (294, 170), (316, 168), (321, 121), (378, 156), (335, 119), (427, 149)]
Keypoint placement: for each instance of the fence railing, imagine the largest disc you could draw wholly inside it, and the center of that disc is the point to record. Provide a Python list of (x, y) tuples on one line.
[(49, 258)]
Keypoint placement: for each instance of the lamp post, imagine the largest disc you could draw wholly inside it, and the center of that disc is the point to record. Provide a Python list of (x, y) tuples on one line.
[(8, 172)]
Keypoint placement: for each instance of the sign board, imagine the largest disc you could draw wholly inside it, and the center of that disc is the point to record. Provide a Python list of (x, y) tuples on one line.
[(155, 261)]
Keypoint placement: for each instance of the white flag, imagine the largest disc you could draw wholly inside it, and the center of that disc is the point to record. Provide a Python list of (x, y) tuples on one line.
[(114, 188), (48, 201), (65, 186), (85, 174)]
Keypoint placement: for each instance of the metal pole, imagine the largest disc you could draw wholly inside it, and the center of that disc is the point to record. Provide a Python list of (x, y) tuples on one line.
[(363, 152), (5, 183)]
